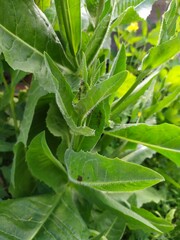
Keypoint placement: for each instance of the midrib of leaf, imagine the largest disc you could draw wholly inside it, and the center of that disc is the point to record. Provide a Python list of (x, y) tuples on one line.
[(48, 215), (20, 40), (146, 144), (108, 183)]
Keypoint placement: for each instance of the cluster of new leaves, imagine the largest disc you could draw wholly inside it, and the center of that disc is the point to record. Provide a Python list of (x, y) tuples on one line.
[(62, 184)]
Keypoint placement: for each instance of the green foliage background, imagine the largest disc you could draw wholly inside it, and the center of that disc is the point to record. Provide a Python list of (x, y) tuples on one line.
[(90, 116)]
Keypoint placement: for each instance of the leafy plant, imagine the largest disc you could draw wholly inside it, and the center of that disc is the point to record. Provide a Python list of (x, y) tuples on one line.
[(73, 159)]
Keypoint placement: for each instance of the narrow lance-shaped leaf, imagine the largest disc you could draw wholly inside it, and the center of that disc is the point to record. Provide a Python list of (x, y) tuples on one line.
[(103, 201), (119, 63), (69, 17), (43, 165), (168, 25), (164, 138), (97, 39), (124, 4), (135, 91), (161, 53), (105, 174), (99, 92), (131, 11), (95, 8), (64, 97), (161, 104), (24, 37), (160, 223), (46, 217)]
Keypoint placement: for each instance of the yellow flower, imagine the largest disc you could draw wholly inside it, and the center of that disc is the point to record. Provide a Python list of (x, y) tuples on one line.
[(133, 27)]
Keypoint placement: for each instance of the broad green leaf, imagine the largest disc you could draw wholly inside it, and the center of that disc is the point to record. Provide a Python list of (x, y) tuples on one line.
[(69, 17), (22, 182), (64, 97), (43, 165), (119, 63), (97, 39), (162, 104), (103, 201), (24, 37), (46, 217), (160, 223), (161, 53), (105, 174), (100, 92), (164, 138), (168, 26)]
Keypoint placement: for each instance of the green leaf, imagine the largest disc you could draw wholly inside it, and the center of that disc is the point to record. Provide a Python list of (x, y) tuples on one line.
[(160, 223), (126, 17), (46, 217), (97, 39), (69, 17), (95, 8), (164, 103), (168, 26), (161, 53), (43, 4), (23, 49), (64, 97), (22, 182), (110, 224), (132, 10), (100, 92), (164, 138), (56, 123), (103, 201), (135, 92), (34, 95), (105, 174), (124, 4), (119, 63), (96, 120), (43, 165)]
